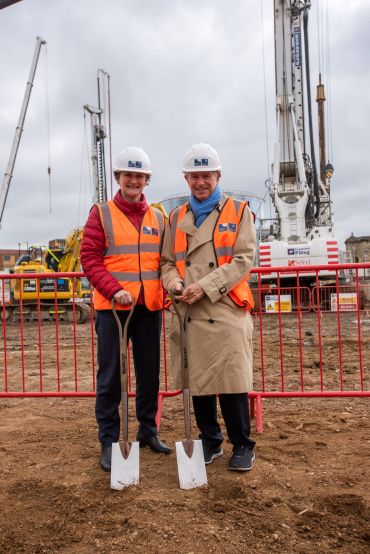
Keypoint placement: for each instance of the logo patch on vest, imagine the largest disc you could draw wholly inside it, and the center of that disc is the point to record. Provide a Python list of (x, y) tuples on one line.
[(137, 165), (147, 230), (222, 227), (199, 162), (232, 227)]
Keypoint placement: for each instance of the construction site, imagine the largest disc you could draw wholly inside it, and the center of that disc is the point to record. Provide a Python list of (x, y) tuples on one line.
[(308, 491)]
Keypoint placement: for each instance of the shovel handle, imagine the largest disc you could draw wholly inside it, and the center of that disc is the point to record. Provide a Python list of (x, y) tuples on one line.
[(123, 334), (183, 322)]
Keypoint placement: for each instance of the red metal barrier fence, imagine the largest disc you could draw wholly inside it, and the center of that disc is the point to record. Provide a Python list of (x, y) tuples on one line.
[(310, 340)]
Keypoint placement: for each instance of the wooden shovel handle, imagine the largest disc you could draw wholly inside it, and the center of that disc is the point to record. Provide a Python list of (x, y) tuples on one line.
[(123, 334), (183, 322)]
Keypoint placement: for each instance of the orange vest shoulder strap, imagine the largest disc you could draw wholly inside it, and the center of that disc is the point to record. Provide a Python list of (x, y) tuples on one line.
[(106, 220)]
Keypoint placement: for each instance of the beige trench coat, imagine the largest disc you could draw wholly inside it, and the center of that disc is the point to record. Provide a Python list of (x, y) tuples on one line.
[(219, 332)]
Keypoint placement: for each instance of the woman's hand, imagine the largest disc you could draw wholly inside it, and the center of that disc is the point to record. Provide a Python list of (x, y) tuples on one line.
[(123, 297)]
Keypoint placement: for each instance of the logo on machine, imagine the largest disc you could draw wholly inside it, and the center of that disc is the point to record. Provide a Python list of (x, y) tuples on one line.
[(137, 165), (201, 162), (302, 251)]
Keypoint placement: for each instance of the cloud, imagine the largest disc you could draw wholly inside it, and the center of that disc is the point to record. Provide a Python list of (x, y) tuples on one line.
[(181, 72)]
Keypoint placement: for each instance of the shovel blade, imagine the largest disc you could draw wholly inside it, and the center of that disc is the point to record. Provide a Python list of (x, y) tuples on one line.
[(191, 470), (125, 471)]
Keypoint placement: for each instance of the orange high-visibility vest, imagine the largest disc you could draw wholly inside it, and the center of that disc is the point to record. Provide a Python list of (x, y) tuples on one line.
[(224, 237), (132, 257)]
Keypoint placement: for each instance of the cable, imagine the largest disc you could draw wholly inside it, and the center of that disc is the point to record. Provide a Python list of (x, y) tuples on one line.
[(309, 106), (110, 140), (265, 96), (329, 119), (48, 124), (84, 138), (318, 34)]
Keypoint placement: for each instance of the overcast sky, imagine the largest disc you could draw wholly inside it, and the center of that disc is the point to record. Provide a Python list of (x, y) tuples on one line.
[(182, 71)]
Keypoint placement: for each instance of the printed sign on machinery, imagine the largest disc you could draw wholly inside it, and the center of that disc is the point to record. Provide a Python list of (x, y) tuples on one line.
[(272, 303), (6, 292), (299, 256), (347, 302), (300, 251)]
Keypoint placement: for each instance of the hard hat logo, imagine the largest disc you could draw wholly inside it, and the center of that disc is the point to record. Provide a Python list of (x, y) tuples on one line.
[(202, 162), (138, 165), (201, 157), (133, 159)]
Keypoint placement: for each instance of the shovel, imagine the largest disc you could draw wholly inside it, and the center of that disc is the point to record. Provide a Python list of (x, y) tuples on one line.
[(125, 454), (189, 453)]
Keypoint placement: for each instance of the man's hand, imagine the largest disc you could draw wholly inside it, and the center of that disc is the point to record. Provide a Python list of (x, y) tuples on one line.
[(123, 297), (177, 289), (192, 293)]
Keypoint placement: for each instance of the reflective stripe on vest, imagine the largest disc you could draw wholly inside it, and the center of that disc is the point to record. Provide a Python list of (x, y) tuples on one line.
[(224, 237), (132, 258)]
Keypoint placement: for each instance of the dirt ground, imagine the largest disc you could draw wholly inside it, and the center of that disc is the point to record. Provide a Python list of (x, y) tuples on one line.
[(307, 493)]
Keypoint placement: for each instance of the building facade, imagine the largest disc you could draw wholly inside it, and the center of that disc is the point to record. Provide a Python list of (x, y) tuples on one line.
[(8, 257), (358, 249)]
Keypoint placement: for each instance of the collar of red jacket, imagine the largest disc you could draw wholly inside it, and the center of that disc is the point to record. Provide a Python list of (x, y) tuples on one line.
[(131, 208)]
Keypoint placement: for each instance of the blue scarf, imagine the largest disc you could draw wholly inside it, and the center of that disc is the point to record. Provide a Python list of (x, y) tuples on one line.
[(202, 209)]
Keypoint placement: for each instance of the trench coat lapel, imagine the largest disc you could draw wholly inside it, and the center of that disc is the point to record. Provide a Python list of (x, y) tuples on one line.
[(202, 234)]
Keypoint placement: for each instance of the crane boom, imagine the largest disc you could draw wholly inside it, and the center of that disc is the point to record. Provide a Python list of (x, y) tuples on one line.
[(19, 129)]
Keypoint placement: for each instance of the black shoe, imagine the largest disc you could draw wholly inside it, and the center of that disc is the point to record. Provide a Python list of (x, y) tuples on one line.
[(106, 458), (211, 453), (154, 444), (242, 459)]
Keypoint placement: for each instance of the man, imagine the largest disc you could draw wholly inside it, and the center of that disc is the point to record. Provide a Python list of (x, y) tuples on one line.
[(207, 254), (120, 256)]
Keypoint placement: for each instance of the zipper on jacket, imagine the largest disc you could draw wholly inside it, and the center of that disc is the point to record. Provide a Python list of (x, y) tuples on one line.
[(138, 251)]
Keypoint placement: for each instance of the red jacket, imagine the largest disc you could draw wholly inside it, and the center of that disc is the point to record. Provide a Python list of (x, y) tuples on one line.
[(93, 245)]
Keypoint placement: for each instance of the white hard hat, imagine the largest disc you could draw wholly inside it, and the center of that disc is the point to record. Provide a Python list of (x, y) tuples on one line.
[(201, 157), (133, 159)]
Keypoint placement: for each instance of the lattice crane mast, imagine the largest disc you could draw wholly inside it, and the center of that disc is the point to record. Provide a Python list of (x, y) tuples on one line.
[(19, 129)]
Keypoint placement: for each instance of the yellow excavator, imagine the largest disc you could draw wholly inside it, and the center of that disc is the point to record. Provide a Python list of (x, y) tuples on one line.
[(43, 298)]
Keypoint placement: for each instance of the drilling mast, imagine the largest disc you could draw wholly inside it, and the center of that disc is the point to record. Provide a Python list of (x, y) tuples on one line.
[(302, 233)]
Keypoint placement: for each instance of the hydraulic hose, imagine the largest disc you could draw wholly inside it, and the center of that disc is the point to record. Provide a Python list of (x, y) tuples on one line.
[(312, 146)]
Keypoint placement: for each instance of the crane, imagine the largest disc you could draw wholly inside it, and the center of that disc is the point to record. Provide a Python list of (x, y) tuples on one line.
[(302, 232), (19, 129), (38, 296)]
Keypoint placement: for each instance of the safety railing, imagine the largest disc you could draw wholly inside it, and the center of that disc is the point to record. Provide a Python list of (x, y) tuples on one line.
[(309, 348), (316, 353), (48, 346)]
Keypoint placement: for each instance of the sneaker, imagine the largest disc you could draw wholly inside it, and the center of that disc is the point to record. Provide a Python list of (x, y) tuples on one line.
[(242, 459), (211, 453)]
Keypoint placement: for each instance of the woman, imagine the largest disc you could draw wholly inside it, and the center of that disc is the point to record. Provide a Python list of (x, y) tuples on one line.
[(120, 256)]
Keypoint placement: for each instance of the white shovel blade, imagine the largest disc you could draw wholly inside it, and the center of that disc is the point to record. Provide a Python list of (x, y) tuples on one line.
[(192, 471), (124, 472)]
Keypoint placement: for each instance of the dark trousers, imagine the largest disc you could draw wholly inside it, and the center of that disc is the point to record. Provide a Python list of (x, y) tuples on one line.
[(235, 411), (144, 331)]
